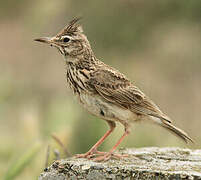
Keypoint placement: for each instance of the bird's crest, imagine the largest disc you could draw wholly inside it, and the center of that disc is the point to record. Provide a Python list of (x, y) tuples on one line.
[(71, 28)]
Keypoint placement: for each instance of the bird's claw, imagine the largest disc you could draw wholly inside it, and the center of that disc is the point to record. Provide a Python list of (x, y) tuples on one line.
[(100, 156), (90, 154), (108, 156)]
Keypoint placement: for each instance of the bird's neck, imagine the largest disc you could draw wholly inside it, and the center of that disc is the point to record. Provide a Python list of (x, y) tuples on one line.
[(76, 68), (86, 57)]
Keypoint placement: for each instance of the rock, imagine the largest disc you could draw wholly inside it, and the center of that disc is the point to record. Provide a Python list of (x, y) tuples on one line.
[(143, 163)]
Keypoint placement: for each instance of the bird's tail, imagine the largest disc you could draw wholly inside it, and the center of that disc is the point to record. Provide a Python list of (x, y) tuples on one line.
[(176, 131)]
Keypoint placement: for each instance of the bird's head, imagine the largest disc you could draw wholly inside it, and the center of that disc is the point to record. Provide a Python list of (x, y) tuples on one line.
[(70, 41)]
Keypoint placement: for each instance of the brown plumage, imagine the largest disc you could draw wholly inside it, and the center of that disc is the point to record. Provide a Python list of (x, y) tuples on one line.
[(103, 90)]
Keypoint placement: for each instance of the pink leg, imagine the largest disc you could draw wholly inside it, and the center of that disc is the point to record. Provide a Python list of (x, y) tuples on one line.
[(110, 153), (94, 148)]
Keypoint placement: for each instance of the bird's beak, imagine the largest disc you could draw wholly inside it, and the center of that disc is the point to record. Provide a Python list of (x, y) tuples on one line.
[(47, 40)]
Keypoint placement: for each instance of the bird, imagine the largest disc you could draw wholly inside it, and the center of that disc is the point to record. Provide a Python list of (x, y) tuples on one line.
[(103, 91)]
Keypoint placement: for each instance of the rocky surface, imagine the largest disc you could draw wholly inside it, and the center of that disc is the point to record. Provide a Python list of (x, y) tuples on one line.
[(142, 163)]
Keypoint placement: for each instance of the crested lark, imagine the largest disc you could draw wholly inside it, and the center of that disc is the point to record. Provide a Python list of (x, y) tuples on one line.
[(103, 90)]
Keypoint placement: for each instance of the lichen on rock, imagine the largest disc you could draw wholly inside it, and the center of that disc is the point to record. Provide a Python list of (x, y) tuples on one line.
[(143, 163)]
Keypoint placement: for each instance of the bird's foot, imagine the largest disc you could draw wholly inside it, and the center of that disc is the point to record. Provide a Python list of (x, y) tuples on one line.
[(85, 155), (108, 155), (90, 154)]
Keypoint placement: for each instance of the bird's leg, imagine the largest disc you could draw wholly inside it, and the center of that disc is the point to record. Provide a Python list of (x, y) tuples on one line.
[(93, 150), (109, 154)]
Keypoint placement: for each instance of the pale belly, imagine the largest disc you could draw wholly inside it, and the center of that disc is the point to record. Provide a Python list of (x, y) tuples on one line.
[(99, 107)]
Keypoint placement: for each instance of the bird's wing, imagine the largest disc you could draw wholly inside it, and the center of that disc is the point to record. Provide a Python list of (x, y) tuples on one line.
[(117, 89)]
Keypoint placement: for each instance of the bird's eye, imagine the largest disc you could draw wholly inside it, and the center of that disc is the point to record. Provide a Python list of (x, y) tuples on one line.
[(66, 39)]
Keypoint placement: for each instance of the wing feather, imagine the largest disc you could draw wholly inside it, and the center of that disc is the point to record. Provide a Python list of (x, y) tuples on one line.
[(116, 88)]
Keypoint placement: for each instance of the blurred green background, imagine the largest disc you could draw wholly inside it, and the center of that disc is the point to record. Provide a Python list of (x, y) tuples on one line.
[(157, 44)]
